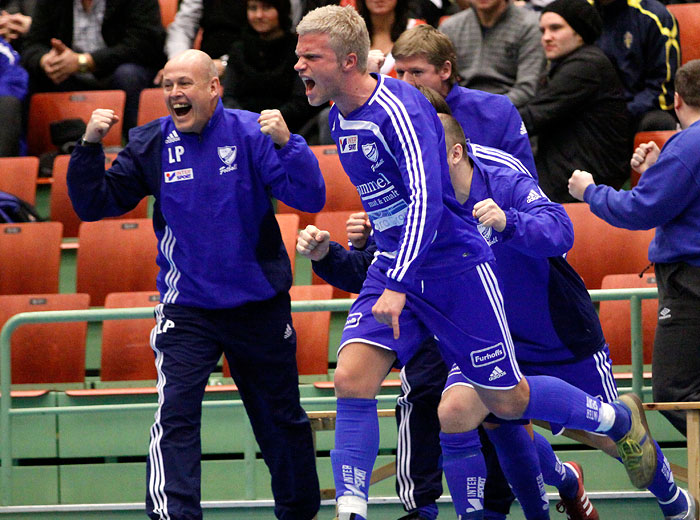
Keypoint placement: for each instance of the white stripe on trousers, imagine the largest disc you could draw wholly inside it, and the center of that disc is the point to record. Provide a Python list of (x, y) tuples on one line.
[(156, 483), (403, 448)]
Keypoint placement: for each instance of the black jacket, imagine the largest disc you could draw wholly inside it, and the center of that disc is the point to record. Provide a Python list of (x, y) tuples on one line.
[(260, 75), (131, 29), (581, 121)]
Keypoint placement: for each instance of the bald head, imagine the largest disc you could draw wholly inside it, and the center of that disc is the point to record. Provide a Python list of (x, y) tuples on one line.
[(199, 63), (191, 89)]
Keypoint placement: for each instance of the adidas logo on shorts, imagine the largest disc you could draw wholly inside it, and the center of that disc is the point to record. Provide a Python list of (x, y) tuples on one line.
[(497, 372), (288, 331), (172, 138)]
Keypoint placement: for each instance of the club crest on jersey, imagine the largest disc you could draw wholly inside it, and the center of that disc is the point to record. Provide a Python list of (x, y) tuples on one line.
[(348, 143), (227, 154), (487, 233), (370, 151), (488, 355), (185, 174)]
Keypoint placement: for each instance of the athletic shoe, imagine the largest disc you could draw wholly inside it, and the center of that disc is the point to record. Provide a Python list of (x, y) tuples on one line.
[(579, 507), (689, 514), (636, 448)]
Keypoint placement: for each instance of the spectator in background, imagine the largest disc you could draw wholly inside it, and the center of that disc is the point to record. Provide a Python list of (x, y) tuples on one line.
[(667, 198), (498, 48), (260, 72), (641, 39), (95, 45), (13, 90), (15, 20), (221, 22), (386, 20), (578, 113)]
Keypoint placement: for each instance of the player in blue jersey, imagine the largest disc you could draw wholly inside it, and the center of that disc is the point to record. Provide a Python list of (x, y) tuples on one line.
[(224, 274), (431, 265), (668, 198), (540, 286), (425, 57)]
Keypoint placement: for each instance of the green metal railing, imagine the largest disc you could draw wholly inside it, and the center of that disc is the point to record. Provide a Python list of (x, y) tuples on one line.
[(7, 412)]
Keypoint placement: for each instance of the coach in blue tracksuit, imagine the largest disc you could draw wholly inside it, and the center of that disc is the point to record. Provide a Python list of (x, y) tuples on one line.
[(668, 198), (224, 274)]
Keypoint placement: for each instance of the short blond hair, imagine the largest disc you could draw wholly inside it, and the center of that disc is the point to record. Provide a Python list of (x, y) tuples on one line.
[(346, 29), (426, 41)]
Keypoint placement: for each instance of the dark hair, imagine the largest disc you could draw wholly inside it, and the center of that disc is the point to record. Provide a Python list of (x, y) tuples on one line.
[(284, 10), (400, 18), (687, 83)]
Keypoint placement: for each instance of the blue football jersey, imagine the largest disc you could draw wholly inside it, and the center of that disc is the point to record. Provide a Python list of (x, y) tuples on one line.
[(393, 149)]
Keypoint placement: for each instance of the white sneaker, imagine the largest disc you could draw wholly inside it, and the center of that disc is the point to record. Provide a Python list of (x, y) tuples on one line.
[(689, 514)]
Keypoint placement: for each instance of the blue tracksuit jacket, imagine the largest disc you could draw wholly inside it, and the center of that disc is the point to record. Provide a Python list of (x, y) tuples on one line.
[(219, 245)]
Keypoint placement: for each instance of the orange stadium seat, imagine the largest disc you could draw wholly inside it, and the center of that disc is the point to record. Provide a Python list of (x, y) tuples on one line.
[(61, 207), (341, 195), (48, 352), (116, 255), (30, 257), (334, 223), (658, 136), (46, 107), (18, 176), (126, 349), (601, 249), (688, 18), (289, 228), (151, 106), (615, 318), (312, 330)]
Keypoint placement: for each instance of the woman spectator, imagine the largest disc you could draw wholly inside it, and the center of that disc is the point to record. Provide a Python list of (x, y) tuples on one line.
[(386, 20), (260, 73)]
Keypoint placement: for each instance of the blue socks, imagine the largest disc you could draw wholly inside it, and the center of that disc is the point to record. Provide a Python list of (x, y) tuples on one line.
[(556, 401), (664, 488), (554, 472), (622, 423), (521, 466), (356, 447), (465, 472)]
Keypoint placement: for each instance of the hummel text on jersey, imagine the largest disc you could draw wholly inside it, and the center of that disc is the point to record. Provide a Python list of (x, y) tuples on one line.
[(489, 355)]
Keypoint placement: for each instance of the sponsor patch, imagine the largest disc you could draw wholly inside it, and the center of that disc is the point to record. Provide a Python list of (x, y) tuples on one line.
[(353, 320), (488, 355), (185, 174), (348, 144)]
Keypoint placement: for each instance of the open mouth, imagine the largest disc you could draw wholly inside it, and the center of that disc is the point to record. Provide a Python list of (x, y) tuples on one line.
[(181, 109), (309, 84)]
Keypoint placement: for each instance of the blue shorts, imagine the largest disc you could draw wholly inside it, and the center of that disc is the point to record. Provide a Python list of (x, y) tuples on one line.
[(593, 375), (465, 314)]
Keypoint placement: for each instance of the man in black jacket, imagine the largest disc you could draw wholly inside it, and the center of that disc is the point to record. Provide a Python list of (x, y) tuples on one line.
[(578, 113), (95, 45)]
